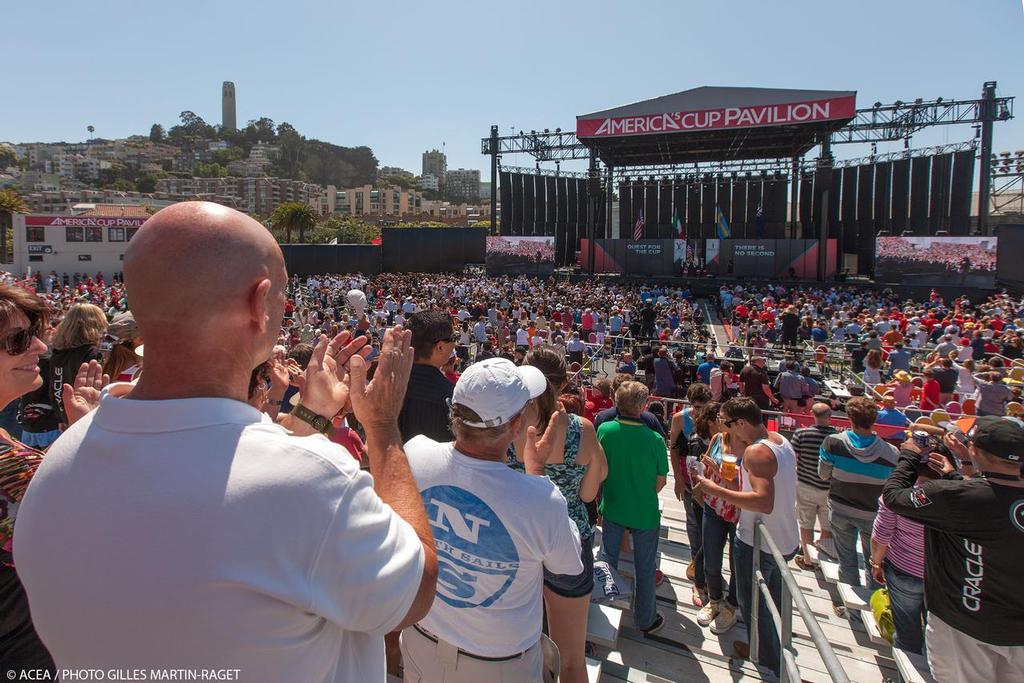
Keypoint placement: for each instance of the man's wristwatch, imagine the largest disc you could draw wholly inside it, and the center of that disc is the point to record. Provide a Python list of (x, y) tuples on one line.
[(315, 420)]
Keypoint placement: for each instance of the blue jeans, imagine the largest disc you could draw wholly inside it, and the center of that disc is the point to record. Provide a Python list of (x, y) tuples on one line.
[(845, 531), (695, 537), (645, 551), (906, 595), (769, 651), (717, 535)]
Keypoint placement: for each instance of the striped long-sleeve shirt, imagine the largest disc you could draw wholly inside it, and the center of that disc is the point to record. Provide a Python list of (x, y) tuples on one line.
[(904, 537)]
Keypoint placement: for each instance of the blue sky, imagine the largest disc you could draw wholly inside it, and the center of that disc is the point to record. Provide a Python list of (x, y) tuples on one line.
[(403, 77)]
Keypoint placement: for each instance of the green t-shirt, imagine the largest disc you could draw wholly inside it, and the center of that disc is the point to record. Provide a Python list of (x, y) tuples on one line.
[(636, 457)]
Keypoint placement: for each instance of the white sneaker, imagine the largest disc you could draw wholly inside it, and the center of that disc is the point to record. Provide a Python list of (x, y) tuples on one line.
[(724, 620), (827, 546), (708, 612)]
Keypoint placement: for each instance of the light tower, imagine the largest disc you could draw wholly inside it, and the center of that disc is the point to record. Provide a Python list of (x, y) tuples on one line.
[(228, 106)]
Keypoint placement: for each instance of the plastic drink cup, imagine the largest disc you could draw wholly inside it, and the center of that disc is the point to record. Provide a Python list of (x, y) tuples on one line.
[(728, 466)]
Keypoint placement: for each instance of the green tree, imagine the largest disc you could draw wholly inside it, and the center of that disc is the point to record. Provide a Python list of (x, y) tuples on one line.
[(213, 170), (10, 204), (121, 185), (292, 216), (7, 157), (156, 133), (226, 156)]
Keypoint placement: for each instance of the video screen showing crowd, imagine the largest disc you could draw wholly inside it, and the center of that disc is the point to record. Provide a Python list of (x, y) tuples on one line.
[(338, 477)]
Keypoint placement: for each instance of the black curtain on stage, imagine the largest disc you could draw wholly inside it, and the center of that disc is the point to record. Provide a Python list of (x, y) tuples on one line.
[(938, 212), (834, 195), (865, 218), (806, 204), (679, 206), (693, 210), (651, 210), (920, 177), (572, 228), (723, 199), (561, 219), (960, 193), (528, 215), (625, 209), (777, 195), (505, 197), (638, 207), (883, 195), (517, 203), (849, 210), (738, 209), (665, 209), (581, 211), (708, 203), (755, 199), (900, 196), (540, 202), (551, 218)]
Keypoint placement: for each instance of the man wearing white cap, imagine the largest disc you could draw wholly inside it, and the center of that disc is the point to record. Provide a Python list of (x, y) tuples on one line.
[(495, 531)]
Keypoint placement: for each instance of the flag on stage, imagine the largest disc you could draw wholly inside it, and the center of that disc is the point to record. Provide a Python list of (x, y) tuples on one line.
[(678, 225), (721, 224), (638, 230), (759, 222)]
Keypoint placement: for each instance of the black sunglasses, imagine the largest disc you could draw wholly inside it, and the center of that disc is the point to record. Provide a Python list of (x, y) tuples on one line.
[(730, 422), (18, 342), (454, 339)]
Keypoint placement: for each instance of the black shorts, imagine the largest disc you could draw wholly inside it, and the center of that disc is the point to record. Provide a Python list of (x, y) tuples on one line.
[(575, 585)]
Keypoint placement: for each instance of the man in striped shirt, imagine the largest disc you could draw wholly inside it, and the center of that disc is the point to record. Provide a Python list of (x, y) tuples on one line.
[(812, 490), (856, 464)]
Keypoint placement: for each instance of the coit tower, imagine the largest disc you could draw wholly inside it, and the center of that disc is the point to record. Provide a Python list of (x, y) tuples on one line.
[(228, 106)]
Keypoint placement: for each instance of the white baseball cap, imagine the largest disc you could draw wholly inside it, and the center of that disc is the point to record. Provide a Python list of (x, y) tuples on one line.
[(497, 390)]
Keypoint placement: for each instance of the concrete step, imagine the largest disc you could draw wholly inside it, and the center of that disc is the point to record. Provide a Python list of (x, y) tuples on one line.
[(603, 624), (855, 597), (913, 667)]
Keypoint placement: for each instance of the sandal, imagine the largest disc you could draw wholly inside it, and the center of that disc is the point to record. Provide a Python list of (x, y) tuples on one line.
[(699, 597), (804, 564)]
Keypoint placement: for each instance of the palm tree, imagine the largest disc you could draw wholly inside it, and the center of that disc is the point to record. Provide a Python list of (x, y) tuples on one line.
[(10, 203), (294, 216)]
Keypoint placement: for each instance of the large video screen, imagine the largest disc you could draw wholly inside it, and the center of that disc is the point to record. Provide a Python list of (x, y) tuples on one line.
[(520, 255), (936, 261)]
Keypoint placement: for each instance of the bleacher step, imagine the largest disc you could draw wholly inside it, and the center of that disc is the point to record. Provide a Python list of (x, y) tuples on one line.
[(871, 626), (603, 624), (855, 597), (830, 570), (912, 666), (593, 670)]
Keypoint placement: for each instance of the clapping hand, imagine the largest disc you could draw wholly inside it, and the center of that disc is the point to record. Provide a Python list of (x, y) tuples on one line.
[(84, 396), (326, 382), (537, 451), (377, 404)]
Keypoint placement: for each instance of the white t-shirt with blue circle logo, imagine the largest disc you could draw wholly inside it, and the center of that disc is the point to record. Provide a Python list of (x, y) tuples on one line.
[(495, 529)]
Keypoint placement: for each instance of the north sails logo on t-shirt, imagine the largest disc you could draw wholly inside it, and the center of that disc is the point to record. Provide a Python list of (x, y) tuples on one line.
[(1017, 515), (477, 558)]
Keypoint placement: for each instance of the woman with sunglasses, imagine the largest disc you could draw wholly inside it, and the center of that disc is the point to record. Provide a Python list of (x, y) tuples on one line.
[(718, 525), (22, 319)]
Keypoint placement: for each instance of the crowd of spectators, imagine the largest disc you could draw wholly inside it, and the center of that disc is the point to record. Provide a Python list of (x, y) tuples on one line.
[(325, 478)]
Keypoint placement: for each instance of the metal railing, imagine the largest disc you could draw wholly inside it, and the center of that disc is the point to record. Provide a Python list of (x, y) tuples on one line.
[(782, 615)]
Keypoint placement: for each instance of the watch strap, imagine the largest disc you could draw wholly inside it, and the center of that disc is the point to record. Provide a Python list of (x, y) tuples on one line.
[(313, 419)]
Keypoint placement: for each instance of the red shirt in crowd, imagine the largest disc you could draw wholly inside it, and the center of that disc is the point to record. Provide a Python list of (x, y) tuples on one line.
[(930, 395)]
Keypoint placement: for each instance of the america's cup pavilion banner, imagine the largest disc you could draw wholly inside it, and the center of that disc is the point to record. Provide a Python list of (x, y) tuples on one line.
[(810, 111)]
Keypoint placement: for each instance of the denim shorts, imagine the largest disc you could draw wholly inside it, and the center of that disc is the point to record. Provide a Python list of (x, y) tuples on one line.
[(575, 585)]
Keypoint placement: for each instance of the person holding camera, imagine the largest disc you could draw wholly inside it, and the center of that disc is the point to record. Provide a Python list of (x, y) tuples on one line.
[(974, 549)]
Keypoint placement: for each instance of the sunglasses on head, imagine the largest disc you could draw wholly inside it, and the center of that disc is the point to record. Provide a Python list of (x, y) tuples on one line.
[(18, 342)]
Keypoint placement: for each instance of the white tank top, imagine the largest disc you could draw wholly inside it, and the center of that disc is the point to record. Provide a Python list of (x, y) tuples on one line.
[(782, 522)]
